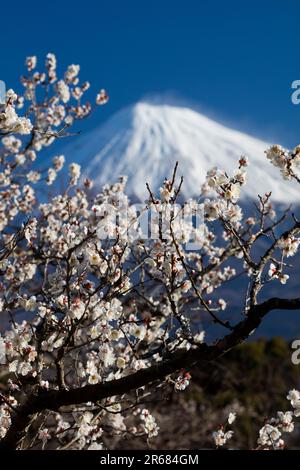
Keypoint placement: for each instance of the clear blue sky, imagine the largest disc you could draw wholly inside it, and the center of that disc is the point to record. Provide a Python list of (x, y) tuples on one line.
[(237, 59)]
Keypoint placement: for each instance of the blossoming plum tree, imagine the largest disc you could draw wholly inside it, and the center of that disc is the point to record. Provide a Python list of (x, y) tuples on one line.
[(100, 317)]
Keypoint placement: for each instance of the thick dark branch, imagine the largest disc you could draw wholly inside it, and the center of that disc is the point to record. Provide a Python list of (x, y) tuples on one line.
[(54, 399)]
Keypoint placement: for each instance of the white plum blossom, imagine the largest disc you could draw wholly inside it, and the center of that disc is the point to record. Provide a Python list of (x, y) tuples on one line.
[(287, 161), (274, 273), (182, 382), (293, 396), (31, 304), (102, 97), (220, 437), (58, 162), (222, 304), (33, 176), (231, 418), (71, 75), (31, 63), (63, 91), (149, 424), (11, 122), (74, 170), (30, 231), (286, 420), (289, 246), (268, 435), (52, 174)]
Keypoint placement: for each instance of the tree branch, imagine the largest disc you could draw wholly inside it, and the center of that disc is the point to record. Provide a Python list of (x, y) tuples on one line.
[(54, 399)]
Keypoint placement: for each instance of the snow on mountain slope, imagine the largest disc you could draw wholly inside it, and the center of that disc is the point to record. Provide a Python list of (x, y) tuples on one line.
[(144, 141)]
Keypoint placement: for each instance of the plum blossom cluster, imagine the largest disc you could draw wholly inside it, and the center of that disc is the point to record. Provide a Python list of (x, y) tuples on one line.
[(49, 107), (288, 247), (228, 189), (271, 434), (149, 424), (275, 273), (288, 161), (10, 121), (90, 303)]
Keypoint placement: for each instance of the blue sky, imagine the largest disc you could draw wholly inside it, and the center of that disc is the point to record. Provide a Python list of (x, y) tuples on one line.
[(235, 59)]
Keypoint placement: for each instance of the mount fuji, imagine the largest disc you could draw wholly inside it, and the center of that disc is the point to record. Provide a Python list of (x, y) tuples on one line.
[(143, 141)]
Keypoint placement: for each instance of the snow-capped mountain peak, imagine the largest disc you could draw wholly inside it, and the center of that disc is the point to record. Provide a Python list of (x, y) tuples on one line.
[(145, 140)]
